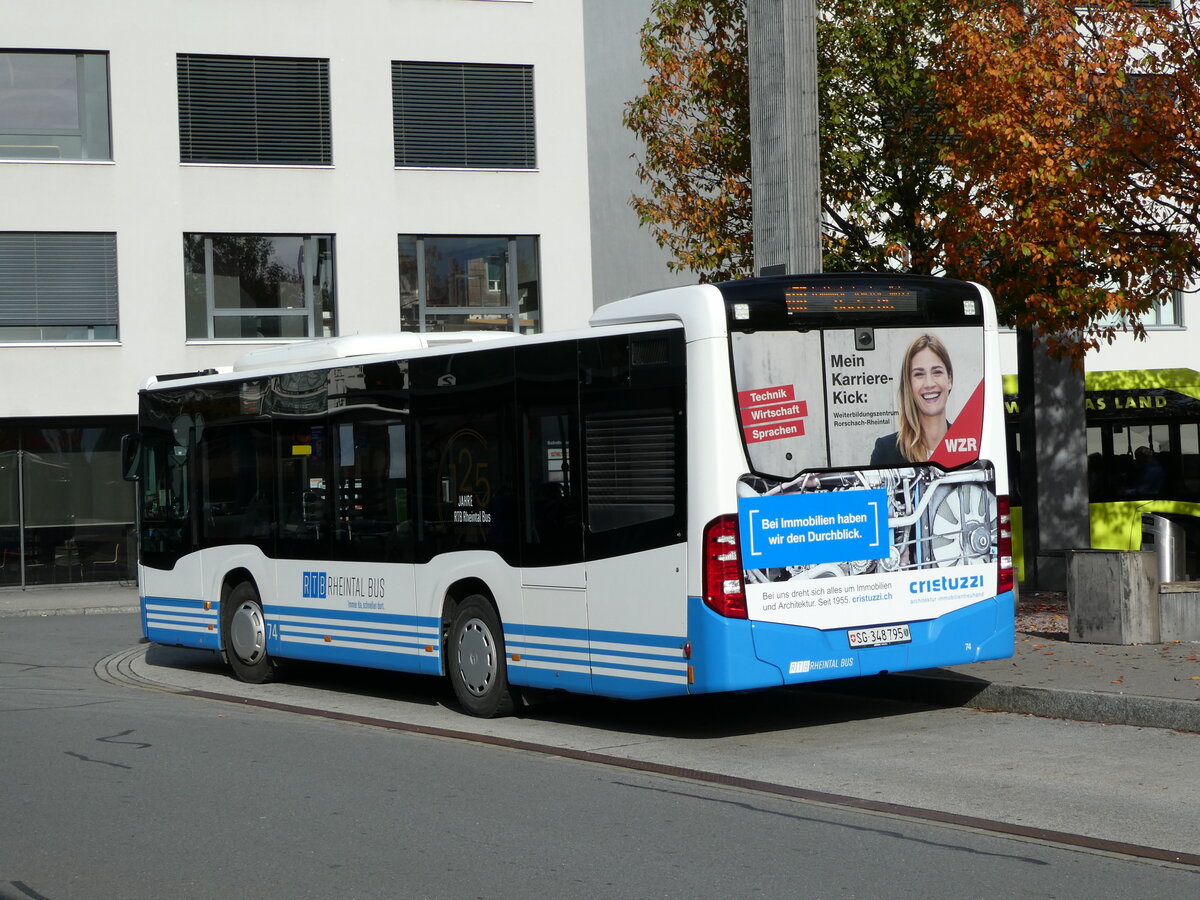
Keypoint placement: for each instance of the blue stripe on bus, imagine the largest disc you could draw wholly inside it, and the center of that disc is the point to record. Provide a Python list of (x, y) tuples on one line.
[(389, 660), (317, 624), (524, 647), (631, 666), (175, 601), (289, 636), (594, 636), (179, 614), (653, 670), (620, 667), (351, 615), (160, 622), (637, 689)]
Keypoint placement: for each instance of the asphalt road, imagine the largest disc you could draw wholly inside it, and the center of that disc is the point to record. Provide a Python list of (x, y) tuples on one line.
[(110, 790)]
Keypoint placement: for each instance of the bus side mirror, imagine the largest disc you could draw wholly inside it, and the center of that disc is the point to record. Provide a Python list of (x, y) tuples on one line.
[(131, 456)]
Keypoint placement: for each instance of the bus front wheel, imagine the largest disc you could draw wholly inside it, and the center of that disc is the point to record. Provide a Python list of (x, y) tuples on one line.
[(245, 634), (476, 660)]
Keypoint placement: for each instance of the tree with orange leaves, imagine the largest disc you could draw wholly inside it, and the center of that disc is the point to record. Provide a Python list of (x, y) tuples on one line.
[(1074, 156), (694, 119), (1046, 149), (881, 175)]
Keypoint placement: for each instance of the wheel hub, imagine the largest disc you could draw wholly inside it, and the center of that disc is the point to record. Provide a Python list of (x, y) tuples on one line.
[(476, 657), (248, 634)]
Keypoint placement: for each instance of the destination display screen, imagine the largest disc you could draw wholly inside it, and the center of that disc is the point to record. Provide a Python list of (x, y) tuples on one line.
[(802, 299)]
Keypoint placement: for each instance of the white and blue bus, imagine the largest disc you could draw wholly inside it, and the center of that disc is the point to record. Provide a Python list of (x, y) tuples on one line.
[(712, 488)]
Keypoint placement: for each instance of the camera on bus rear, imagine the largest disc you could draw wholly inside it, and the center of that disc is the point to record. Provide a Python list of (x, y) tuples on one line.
[(864, 338)]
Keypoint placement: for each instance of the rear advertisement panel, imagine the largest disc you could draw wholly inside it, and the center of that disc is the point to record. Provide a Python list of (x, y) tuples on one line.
[(848, 549), (904, 528)]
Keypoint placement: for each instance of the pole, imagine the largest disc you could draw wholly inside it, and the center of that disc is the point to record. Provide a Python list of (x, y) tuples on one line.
[(784, 136)]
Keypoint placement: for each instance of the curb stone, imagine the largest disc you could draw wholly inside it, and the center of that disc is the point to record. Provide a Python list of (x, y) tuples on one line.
[(951, 689)]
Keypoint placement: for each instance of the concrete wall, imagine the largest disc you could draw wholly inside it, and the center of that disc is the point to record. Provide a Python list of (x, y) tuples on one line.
[(625, 257), (1179, 611)]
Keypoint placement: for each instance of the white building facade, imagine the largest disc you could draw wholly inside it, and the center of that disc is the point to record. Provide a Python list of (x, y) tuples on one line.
[(182, 183)]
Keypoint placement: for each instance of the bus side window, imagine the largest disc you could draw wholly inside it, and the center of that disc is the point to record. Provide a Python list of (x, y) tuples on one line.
[(634, 459), (370, 518), (301, 488), (235, 483), (548, 396), (552, 534)]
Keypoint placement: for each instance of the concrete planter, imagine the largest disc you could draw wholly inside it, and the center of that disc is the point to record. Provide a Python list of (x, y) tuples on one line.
[(1179, 611), (1112, 596)]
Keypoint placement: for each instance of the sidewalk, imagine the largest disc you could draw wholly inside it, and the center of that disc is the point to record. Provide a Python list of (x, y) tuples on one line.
[(1150, 685), (54, 600)]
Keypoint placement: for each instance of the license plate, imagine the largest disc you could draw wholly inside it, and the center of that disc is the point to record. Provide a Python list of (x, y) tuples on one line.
[(879, 636)]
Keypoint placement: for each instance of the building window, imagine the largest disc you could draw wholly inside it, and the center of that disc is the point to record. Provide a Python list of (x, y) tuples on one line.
[(455, 283), (463, 115), (1165, 315), (258, 286), (66, 514), (54, 105), (254, 109), (58, 286)]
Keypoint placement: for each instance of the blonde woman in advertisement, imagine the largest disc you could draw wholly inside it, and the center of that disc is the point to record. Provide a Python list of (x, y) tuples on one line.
[(926, 379)]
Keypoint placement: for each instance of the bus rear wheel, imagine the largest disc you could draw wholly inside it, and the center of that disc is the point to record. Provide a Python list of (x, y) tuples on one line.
[(476, 659), (244, 631)]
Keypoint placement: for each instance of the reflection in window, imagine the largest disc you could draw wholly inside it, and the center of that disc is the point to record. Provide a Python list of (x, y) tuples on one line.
[(1144, 460), (1163, 314), (1166, 314), (66, 512), (371, 518), (258, 286), (454, 283), (54, 105)]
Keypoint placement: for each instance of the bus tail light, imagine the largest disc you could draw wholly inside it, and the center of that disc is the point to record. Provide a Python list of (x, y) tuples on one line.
[(724, 590), (1005, 548)]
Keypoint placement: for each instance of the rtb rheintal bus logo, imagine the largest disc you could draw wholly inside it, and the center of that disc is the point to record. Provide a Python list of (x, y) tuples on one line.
[(315, 585)]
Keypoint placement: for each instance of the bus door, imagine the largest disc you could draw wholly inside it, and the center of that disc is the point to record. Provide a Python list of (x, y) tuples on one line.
[(552, 642), (634, 472)]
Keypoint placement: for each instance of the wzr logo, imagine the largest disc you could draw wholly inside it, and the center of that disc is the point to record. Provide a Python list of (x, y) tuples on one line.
[(314, 585)]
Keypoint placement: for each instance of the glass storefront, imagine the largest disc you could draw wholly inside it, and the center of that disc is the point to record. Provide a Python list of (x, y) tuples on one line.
[(66, 513)]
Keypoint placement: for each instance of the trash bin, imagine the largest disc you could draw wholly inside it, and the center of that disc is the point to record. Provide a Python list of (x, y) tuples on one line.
[(1166, 539)]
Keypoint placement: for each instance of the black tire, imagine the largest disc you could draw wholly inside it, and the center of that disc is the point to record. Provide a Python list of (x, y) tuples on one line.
[(476, 660), (244, 635)]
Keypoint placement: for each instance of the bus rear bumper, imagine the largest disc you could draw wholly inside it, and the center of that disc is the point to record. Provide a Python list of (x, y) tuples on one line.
[(738, 654)]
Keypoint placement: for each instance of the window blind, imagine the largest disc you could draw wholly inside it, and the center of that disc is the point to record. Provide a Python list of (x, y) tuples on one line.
[(58, 278), (253, 109), (463, 115)]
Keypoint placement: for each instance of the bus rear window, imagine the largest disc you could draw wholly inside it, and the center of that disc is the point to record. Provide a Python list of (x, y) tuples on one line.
[(859, 397)]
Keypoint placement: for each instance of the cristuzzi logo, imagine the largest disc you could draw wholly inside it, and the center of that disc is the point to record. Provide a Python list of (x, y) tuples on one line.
[(314, 585)]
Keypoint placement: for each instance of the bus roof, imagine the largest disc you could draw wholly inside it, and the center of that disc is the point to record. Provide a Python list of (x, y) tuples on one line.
[(332, 349)]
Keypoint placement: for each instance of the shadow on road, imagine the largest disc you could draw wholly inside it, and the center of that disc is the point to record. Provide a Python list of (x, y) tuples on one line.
[(686, 718)]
